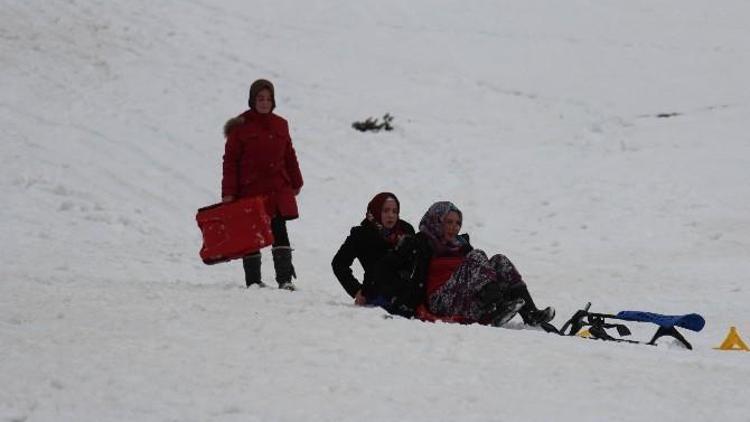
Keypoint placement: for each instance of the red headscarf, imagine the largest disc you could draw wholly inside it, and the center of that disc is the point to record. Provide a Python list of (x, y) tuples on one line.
[(375, 215)]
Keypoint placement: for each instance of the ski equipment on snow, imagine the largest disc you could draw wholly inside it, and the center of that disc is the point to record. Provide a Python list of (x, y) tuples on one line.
[(598, 324)]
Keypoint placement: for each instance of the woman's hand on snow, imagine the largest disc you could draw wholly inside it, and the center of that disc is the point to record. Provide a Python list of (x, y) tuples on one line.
[(360, 299)]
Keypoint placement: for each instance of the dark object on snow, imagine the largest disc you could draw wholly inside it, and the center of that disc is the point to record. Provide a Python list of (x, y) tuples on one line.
[(373, 125), (667, 115), (598, 324)]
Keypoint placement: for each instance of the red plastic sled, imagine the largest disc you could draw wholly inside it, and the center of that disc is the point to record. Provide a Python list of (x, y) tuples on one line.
[(424, 314), (234, 229)]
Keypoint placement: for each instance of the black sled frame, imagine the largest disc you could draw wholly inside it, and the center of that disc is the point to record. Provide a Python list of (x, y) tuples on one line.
[(598, 325)]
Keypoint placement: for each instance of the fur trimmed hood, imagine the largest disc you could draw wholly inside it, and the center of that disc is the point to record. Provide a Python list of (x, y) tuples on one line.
[(233, 123)]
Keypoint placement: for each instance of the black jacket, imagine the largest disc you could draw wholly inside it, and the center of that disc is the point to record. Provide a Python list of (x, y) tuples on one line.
[(403, 272), (366, 244)]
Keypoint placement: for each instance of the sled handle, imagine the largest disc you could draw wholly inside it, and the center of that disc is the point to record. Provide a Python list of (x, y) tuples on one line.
[(575, 321)]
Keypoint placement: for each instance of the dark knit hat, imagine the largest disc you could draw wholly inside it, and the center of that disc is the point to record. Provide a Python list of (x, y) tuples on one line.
[(258, 86), (375, 207)]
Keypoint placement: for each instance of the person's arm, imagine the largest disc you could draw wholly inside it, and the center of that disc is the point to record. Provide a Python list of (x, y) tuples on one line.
[(292, 165), (342, 267), (360, 299), (230, 170)]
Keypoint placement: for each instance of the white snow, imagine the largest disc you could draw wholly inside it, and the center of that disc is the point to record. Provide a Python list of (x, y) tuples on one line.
[(537, 118)]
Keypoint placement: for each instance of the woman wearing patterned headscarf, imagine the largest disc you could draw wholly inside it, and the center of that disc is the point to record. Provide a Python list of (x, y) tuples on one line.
[(454, 279), (378, 233)]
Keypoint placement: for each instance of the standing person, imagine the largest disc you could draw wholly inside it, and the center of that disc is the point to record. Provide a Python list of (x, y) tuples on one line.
[(379, 232), (259, 160), (454, 279)]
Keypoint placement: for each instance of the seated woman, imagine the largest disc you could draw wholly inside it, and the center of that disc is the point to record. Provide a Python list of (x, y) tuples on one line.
[(454, 279), (378, 233)]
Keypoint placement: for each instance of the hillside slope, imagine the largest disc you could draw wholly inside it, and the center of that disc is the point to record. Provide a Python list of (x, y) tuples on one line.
[(602, 147)]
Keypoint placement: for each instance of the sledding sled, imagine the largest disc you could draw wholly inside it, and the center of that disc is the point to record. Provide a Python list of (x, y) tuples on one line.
[(423, 314), (497, 318), (234, 229), (597, 325)]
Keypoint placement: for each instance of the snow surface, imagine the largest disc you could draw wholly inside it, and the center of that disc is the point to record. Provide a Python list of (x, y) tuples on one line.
[(539, 119)]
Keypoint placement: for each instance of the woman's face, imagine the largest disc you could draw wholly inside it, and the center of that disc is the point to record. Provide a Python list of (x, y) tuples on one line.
[(264, 102), (389, 213), (451, 226)]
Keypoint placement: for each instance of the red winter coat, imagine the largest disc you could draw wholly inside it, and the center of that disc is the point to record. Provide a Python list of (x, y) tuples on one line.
[(259, 159)]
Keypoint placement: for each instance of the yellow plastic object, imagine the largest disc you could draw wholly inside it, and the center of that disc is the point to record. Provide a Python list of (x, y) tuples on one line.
[(733, 342), (584, 333)]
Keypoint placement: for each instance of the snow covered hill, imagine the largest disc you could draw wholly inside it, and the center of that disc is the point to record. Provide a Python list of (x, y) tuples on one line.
[(602, 146)]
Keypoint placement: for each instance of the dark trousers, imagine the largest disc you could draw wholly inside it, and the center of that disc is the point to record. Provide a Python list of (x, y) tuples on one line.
[(280, 235)]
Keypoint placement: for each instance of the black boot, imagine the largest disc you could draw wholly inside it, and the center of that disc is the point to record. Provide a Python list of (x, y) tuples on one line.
[(491, 295), (541, 315), (251, 264), (282, 263), (520, 291), (529, 312), (505, 312), (498, 305)]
